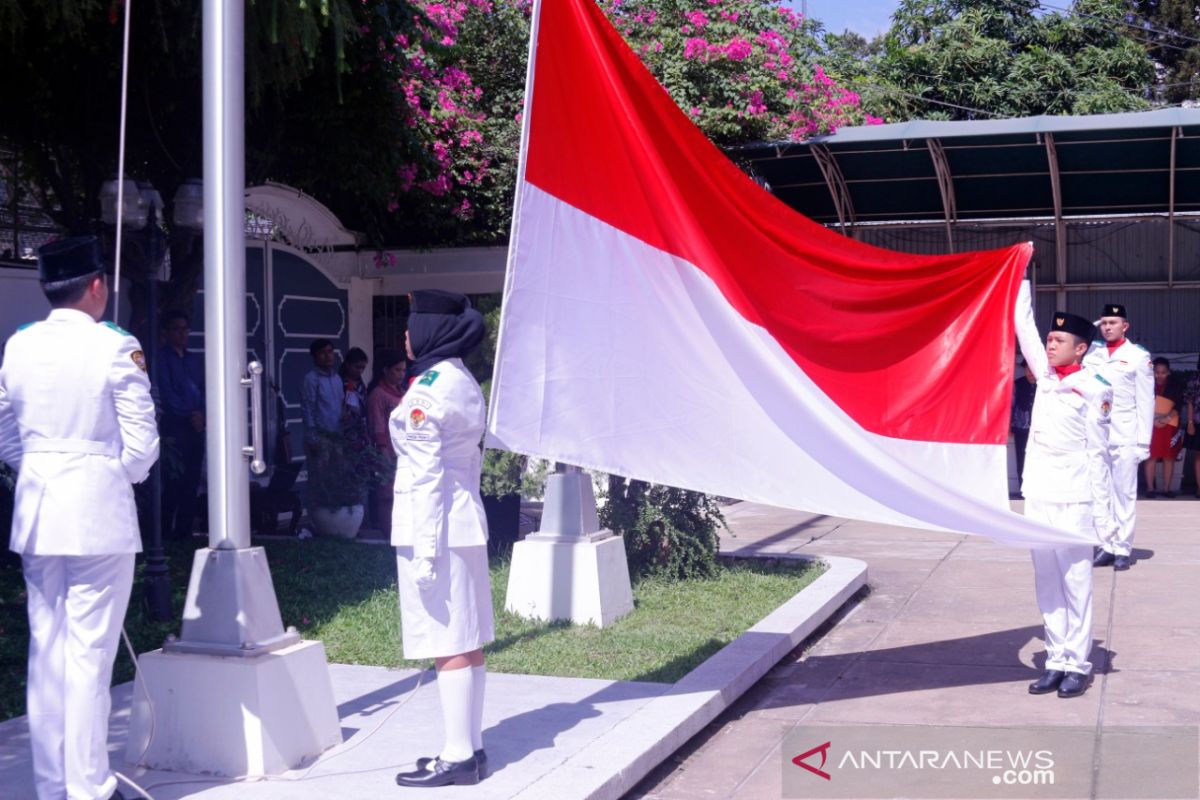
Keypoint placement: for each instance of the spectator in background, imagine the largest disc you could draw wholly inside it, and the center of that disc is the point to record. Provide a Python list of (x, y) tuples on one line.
[(387, 390), (322, 394), (180, 375), (1191, 402), (1165, 438), (354, 399), (1024, 390)]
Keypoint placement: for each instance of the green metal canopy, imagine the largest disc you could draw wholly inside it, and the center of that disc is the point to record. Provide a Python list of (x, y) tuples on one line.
[(1059, 167)]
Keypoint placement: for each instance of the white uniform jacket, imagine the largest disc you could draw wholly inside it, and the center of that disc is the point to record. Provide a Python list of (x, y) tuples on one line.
[(79, 455), (1067, 459), (1131, 374), (436, 432)]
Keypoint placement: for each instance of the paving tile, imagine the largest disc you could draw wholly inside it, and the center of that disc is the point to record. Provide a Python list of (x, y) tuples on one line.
[(1172, 752), (1154, 604), (1139, 697), (790, 693), (727, 758), (926, 694), (766, 781), (961, 644), (1141, 647), (865, 549)]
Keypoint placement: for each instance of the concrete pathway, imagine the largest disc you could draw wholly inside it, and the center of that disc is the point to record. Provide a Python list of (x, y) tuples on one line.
[(949, 635)]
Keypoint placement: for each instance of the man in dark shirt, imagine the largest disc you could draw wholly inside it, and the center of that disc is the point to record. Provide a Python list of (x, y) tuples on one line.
[(180, 374)]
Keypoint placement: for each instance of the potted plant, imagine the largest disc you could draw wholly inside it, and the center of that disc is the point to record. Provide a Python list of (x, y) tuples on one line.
[(342, 469)]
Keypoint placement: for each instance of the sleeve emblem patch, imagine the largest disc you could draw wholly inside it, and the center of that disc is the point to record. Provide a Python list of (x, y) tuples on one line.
[(139, 358), (416, 418), (428, 378), (1105, 408)]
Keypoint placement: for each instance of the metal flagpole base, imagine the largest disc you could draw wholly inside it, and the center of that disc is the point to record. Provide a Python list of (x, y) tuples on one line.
[(570, 569), (213, 715), (235, 694), (231, 608)]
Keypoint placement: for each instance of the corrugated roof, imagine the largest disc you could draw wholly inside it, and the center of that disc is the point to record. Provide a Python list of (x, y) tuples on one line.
[(1105, 164)]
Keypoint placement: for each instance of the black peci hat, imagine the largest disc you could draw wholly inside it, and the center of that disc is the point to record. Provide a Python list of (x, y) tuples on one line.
[(438, 301), (1070, 323), (72, 257), (1114, 310)]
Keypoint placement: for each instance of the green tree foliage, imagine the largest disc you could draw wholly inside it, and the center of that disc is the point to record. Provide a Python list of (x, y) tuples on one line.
[(1007, 58), (1171, 29)]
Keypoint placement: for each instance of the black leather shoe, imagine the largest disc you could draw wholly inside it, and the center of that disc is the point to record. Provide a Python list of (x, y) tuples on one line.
[(1074, 684), (442, 773), (1103, 559), (1121, 563), (1049, 681), (480, 759)]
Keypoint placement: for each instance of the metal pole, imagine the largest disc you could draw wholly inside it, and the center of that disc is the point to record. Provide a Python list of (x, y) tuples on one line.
[(156, 586), (225, 273)]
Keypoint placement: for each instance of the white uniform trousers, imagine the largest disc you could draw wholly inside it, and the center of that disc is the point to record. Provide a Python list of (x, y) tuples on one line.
[(1063, 583), (1124, 497), (76, 608)]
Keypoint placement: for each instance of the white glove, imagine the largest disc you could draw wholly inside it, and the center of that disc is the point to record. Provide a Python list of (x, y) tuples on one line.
[(1142, 452), (424, 574)]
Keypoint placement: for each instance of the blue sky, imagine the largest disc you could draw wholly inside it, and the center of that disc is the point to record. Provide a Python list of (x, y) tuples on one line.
[(867, 17)]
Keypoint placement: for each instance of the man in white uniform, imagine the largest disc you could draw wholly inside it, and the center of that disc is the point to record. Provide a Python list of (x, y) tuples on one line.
[(1066, 485), (1127, 367), (77, 419)]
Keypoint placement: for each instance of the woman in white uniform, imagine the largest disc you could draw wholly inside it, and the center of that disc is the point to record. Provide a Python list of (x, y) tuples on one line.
[(439, 528)]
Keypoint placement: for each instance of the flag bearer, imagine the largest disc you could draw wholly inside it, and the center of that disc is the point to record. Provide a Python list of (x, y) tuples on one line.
[(77, 419), (1066, 484), (1127, 367), (440, 530)]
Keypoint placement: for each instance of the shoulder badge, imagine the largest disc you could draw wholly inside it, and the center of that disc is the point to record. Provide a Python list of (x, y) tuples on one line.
[(416, 418), (139, 358), (26, 325), (1139, 347), (1100, 378), (428, 378), (116, 327)]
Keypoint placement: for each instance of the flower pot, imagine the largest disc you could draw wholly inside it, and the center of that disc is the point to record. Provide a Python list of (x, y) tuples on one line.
[(343, 522)]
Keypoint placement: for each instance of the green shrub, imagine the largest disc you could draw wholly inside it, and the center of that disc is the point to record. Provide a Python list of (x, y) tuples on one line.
[(669, 533)]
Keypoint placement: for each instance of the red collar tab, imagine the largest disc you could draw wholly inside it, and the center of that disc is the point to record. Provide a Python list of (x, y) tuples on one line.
[(1070, 369), (1112, 346)]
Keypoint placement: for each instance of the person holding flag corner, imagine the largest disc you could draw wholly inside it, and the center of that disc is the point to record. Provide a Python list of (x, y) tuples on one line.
[(1067, 484)]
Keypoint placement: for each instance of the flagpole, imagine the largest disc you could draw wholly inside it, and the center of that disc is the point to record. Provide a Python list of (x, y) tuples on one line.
[(514, 228)]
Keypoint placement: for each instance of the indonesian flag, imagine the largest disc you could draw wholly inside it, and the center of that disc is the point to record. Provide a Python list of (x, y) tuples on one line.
[(666, 319)]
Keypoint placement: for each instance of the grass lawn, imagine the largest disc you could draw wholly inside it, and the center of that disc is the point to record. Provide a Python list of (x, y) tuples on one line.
[(344, 593)]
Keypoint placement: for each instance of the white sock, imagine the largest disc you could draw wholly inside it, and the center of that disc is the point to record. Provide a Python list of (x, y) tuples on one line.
[(479, 681), (454, 689)]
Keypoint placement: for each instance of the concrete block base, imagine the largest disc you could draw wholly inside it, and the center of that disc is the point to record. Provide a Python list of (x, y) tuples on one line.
[(232, 716), (583, 579)]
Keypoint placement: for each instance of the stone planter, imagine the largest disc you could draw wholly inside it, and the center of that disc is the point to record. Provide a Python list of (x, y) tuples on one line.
[(343, 522)]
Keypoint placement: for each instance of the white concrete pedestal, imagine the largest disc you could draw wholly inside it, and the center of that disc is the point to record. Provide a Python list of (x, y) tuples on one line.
[(584, 581), (233, 716)]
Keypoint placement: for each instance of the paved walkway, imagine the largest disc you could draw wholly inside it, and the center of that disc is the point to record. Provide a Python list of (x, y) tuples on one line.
[(949, 635)]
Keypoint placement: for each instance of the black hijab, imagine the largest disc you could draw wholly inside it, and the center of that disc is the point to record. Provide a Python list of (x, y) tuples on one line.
[(441, 325)]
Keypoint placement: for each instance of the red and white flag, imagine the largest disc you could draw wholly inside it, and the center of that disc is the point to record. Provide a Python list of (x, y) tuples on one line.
[(666, 319)]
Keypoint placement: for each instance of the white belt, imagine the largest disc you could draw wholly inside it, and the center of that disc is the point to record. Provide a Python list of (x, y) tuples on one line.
[(83, 446)]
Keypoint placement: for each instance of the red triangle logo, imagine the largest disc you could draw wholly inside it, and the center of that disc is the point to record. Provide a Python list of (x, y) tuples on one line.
[(823, 749)]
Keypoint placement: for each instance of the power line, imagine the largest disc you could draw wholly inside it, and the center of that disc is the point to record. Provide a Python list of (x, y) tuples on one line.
[(1141, 28), (894, 90)]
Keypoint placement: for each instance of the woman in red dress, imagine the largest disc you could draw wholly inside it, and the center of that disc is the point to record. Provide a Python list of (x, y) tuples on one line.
[(385, 395), (1166, 438)]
